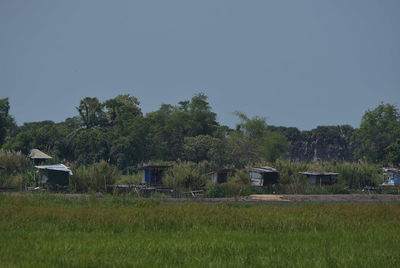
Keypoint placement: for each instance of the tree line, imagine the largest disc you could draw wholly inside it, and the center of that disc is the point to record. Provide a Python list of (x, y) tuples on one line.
[(117, 131)]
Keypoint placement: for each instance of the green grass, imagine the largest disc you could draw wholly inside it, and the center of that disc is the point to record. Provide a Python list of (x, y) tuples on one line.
[(53, 231)]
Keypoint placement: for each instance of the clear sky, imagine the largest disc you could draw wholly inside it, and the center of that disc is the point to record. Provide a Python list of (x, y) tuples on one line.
[(299, 63)]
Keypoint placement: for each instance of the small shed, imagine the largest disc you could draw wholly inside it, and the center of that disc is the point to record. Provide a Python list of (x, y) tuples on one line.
[(392, 177), (54, 174), (221, 176), (153, 174), (38, 156), (321, 178), (263, 176)]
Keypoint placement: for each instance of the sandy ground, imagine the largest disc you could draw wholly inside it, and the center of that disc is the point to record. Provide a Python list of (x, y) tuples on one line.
[(345, 198)]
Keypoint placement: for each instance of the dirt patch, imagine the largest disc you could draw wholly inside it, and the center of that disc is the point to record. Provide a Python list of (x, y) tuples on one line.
[(269, 197), (266, 198), (346, 198)]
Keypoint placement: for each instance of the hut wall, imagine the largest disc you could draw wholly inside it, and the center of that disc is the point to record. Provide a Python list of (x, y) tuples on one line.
[(323, 180), (214, 178), (270, 178), (256, 179), (394, 178)]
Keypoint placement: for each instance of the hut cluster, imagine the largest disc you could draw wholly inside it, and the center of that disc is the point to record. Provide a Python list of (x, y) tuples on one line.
[(259, 176), (57, 175), (264, 176)]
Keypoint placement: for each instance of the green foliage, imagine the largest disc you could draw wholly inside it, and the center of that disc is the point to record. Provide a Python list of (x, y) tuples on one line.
[(117, 132), (7, 123), (171, 124), (132, 146), (45, 135), (352, 175), (90, 146), (275, 146), (228, 189), (14, 162), (94, 177), (379, 128), (241, 177), (15, 169), (91, 112), (122, 109), (260, 143), (393, 153), (240, 150), (188, 175), (126, 232), (201, 147), (130, 179)]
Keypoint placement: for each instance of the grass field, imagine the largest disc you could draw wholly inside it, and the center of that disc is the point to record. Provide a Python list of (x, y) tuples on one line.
[(52, 231)]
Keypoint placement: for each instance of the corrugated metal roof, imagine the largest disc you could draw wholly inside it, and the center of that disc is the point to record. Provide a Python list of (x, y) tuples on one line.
[(155, 166), (37, 154), (58, 167), (265, 169), (222, 171), (394, 170), (319, 173)]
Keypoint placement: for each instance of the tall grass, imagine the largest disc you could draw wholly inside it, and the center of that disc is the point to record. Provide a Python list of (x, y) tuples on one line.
[(188, 175), (49, 231), (93, 177), (352, 175), (15, 168)]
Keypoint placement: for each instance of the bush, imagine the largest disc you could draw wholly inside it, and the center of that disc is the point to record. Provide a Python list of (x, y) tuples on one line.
[(187, 175), (228, 190), (242, 177), (93, 177), (352, 175), (13, 166), (130, 179)]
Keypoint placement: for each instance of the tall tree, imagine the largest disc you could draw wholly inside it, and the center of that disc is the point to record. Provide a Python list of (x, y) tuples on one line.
[(270, 145), (171, 124), (122, 109), (7, 122), (200, 148), (91, 112), (393, 153), (379, 128)]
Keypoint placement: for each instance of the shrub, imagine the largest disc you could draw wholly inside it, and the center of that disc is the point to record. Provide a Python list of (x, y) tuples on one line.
[(352, 175), (130, 179), (187, 175), (93, 177), (242, 177), (228, 190), (13, 165)]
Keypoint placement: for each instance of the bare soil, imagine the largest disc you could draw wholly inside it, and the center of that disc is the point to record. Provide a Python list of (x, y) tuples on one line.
[(338, 198)]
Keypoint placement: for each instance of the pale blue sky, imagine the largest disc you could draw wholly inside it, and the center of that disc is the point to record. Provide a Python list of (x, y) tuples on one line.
[(298, 63)]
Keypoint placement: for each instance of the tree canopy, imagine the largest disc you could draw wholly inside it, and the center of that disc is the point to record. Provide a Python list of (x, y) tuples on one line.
[(379, 128), (116, 131)]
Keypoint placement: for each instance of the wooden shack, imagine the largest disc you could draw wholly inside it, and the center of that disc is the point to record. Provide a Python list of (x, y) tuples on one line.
[(38, 156), (391, 177), (221, 176), (54, 175), (321, 178), (153, 174), (263, 176)]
